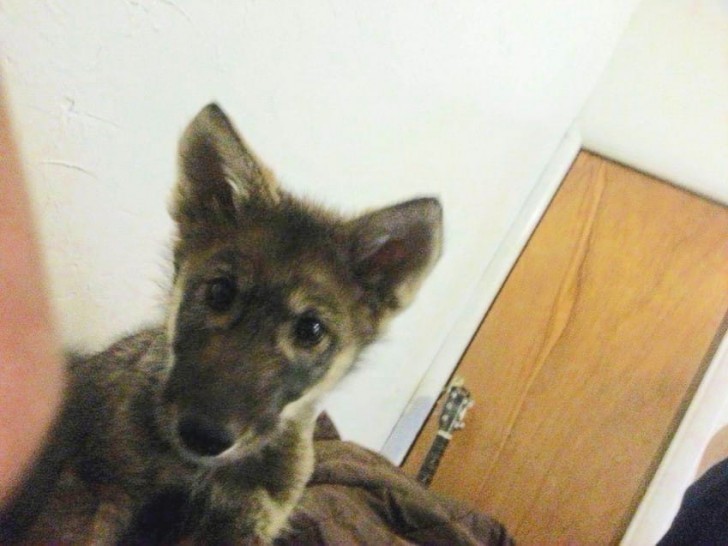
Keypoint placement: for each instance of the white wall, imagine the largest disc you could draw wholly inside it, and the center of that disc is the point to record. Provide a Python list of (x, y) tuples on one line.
[(357, 103), (662, 104)]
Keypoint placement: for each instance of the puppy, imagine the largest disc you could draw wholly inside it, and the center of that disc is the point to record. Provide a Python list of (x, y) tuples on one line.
[(273, 299)]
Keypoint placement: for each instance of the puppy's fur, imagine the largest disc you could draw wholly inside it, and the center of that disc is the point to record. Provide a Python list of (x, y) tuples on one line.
[(272, 301)]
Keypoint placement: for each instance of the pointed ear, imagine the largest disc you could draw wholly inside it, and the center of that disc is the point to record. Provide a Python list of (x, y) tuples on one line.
[(217, 172), (394, 248)]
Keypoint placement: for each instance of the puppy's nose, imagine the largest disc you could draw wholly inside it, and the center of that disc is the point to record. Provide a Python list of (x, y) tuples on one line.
[(203, 436)]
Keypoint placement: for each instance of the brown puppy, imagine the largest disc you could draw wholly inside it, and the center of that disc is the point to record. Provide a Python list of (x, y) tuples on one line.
[(272, 301)]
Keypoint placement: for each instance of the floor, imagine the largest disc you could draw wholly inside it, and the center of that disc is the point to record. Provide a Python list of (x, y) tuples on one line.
[(587, 360)]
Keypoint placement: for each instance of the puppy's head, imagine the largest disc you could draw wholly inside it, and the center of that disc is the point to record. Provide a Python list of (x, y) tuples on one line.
[(273, 298)]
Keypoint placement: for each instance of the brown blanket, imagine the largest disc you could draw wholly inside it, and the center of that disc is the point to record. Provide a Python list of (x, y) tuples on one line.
[(358, 497)]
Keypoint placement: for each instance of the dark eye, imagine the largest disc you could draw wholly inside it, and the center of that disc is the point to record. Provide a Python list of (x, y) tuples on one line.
[(308, 330), (220, 294)]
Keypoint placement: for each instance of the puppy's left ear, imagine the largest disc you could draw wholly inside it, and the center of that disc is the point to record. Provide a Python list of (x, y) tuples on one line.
[(393, 250)]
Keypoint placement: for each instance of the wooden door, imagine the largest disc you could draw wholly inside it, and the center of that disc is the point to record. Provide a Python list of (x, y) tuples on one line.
[(585, 362)]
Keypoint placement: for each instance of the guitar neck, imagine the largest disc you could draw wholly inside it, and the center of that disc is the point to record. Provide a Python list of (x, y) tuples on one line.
[(432, 461)]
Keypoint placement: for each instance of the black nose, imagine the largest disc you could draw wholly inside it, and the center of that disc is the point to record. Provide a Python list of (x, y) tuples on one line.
[(204, 437)]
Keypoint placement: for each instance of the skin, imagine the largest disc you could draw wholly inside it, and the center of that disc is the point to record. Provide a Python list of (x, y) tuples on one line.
[(31, 371), (716, 451)]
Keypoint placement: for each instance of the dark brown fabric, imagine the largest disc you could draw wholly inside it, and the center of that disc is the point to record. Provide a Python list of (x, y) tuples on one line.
[(358, 497)]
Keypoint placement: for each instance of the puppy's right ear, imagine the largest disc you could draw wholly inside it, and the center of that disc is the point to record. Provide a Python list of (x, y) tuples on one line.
[(218, 174)]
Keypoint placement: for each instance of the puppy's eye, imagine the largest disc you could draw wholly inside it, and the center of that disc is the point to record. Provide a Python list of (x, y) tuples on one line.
[(220, 294), (308, 331)]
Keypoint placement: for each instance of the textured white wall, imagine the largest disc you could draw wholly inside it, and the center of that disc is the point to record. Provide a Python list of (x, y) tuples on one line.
[(662, 104), (357, 103)]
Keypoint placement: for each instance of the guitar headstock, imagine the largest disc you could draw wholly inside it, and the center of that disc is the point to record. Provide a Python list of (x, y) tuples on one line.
[(457, 402)]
